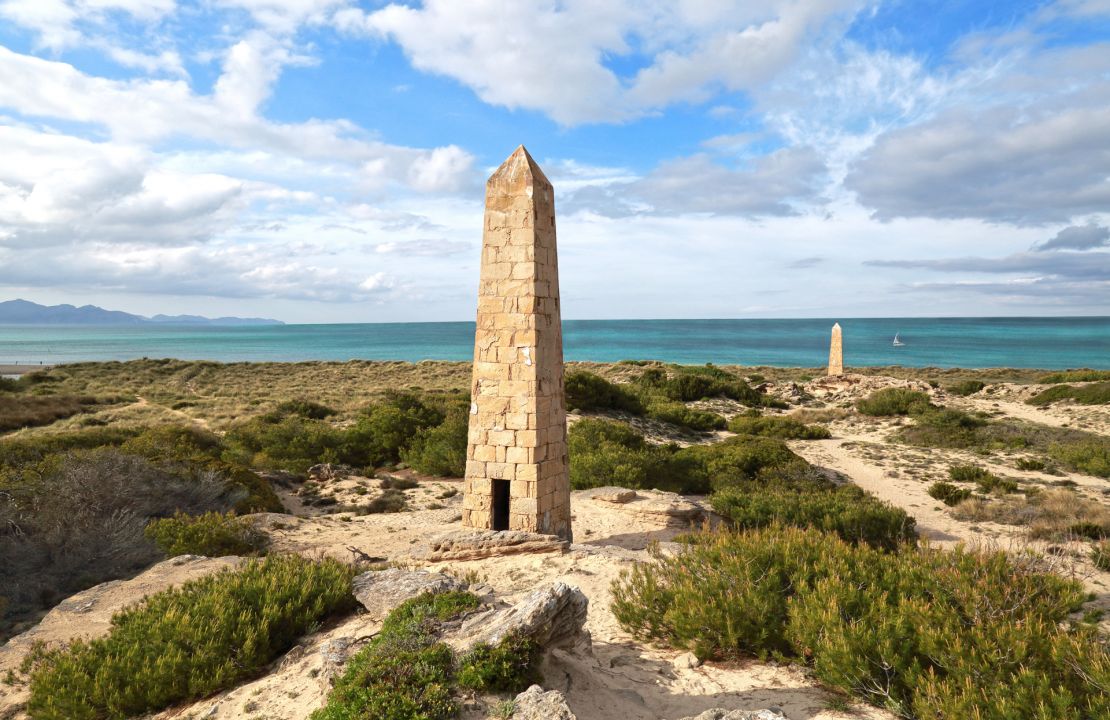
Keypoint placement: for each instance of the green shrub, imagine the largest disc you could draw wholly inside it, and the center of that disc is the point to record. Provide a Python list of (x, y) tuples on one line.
[(604, 452), (943, 427), (987, 481), (390, 501), (894, 401), (403, 674), (213, 534), (785, 428), (191, 641), (743, 460), (948, 493), (510, 666), (1094, 394), (932, 635), (966, 387), (1100, 555), (304, 408), (968, 473), (440, 450), (847, 511), (398, 483), (586, 391), (677, 413), (20, 411), (1030, 464), (1084, 375), (1090, 455)]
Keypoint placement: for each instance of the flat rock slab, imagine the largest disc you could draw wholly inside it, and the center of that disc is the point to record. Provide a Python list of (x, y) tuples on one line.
[(618, 496), (382, 590), (476, 545), (721, 714)]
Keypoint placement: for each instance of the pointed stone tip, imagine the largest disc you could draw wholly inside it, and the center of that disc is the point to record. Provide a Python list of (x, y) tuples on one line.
[(517, 167)]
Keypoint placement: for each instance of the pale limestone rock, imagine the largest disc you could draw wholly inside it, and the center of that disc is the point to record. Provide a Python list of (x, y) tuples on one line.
[(516, 470), (686, 661), (535, 704), (836, 352), (552, 616), (380, 591), (721, 714), (471, 545), (617, 496)]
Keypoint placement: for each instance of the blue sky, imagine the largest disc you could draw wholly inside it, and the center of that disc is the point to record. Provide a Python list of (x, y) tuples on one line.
[(323, 160)]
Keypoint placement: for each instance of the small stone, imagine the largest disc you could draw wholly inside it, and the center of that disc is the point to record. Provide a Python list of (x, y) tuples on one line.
[(686, 661), (552, 616)]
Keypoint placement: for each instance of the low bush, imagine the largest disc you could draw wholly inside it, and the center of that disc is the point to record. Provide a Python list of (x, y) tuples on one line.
[(677, 413), (1094, 394), (406, 674), (212, 534), (987, 481), (589, 392), (605, 452), (944, 427), (966, 387), (1090, 455), (191, 641), (931, 635), (894, 401), (785, 428), (1030, 464), (511, 666), (304, 408), (948, 493), (20, 411), (398, 483), (847, 511), (390, 501), (440, 450), (1084, 375)]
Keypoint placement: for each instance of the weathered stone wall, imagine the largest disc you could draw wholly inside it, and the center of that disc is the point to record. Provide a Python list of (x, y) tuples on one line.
[(518, 414), (836, 352)]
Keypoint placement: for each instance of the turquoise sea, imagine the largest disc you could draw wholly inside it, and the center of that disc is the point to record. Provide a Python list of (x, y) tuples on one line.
[(1049, 343)]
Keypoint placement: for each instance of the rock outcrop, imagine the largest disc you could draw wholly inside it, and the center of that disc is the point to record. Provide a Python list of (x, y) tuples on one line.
[(552, 617), (380, 591), (535, 704), (617, 496)]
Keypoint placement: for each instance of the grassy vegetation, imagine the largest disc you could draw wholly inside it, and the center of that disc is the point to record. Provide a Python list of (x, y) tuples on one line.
[(785, 428), (23, 411), (212, 534), (1100, 555), (158, 653), (987, 481), (1057, 515), (1094, 394), (966, 387), (927, 634), (406, 674), (1067, 376), (893, 401)]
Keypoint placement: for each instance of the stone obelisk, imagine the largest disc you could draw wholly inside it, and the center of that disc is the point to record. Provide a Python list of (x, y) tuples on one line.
[(516, 469), (836, 352)]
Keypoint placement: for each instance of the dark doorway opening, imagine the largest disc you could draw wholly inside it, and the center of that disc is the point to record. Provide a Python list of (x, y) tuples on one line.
[(500, 504)]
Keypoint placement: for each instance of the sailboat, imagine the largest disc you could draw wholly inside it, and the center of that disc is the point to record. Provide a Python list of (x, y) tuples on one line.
[(897, 342)]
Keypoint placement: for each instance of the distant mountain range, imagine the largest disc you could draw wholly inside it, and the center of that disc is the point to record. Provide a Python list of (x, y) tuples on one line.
[(22, 312)]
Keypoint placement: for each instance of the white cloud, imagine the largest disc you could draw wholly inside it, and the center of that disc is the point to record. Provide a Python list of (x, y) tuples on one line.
[(552, 57)]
